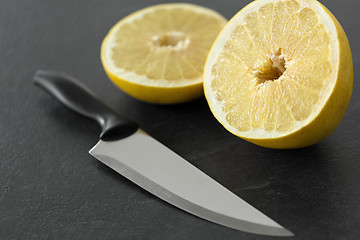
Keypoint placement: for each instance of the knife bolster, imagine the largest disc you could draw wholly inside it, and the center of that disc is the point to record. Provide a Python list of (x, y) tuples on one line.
[(116, 128)]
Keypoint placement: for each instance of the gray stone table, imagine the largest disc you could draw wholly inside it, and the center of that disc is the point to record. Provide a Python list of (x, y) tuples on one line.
[(51, 188)]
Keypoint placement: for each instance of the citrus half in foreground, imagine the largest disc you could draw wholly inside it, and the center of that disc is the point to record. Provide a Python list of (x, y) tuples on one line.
[(280, 73), (157, 54)]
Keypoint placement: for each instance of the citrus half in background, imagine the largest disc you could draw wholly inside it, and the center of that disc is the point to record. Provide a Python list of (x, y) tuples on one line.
[(157, 54)]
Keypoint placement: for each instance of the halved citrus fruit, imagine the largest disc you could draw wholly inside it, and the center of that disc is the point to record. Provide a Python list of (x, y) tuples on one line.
[(157, 54), (280, 73)]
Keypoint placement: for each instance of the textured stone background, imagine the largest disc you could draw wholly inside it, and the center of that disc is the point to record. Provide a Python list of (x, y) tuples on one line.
[(51, 188)]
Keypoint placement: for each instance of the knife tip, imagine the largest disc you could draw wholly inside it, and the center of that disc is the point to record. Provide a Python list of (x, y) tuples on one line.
[(285, 233), (265, 230)]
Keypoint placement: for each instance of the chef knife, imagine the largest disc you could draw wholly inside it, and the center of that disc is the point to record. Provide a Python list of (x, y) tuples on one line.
[(127, 149)]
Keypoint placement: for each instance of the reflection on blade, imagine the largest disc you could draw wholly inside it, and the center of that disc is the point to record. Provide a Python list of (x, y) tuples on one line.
[(162, 172)]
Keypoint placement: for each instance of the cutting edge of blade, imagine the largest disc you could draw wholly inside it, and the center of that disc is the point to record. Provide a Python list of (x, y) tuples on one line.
[(199, 211)]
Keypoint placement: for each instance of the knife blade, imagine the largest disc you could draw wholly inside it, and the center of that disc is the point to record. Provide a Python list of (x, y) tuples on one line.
[(130, 151)]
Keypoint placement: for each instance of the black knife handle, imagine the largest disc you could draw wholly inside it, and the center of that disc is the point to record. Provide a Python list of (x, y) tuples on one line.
[(82, 100)]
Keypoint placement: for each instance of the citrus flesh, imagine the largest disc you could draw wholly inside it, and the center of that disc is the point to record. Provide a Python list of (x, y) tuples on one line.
[(157, 54), (280, 73)]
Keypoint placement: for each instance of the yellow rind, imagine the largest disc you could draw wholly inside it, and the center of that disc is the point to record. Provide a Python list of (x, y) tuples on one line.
[(158, 95), (332, 112)]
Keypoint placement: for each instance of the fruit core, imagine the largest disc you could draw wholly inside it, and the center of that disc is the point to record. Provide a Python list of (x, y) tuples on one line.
[(173, 39), (272, 69)]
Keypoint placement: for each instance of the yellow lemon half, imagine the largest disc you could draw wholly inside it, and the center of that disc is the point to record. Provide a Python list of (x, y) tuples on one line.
[(157, 54), (280, 73)]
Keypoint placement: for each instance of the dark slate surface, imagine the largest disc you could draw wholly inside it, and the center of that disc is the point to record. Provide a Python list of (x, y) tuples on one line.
[(51, 188)]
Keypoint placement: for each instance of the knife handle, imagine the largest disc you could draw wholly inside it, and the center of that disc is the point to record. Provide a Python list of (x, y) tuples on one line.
[(82, 100)]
